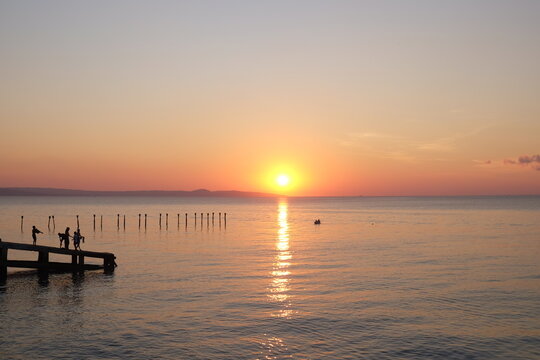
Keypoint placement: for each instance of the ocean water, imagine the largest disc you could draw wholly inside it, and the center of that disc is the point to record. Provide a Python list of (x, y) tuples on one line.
[(380, 278)]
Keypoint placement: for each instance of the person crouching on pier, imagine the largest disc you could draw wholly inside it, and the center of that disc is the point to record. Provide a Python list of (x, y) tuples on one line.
[(35, 231)]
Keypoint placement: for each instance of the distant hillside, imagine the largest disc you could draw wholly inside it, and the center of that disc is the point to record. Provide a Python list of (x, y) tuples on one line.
[(69, 192)]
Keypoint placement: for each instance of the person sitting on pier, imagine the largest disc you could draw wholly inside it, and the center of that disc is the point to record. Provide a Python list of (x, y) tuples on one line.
[(35, 231)]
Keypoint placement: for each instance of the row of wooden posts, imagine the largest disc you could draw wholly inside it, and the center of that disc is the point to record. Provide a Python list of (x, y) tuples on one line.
[(52, 219)]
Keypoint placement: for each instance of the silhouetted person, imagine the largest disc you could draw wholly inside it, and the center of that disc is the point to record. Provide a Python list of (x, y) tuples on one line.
[(77, 237), (66, 238), (35, 231)]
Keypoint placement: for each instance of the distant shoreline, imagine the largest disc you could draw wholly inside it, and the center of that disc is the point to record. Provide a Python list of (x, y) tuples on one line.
[(174, 193)]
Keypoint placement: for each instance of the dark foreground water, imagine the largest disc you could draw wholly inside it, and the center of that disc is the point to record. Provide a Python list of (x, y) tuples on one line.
[(380, 278)]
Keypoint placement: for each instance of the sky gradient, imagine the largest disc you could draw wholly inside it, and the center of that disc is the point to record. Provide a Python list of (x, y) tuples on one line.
[(347, 97)]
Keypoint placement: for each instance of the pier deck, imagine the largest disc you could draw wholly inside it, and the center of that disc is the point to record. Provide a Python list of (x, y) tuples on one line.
[(43, 263)]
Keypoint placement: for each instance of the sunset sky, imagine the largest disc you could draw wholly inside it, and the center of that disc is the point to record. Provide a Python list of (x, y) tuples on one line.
[(344, 97)]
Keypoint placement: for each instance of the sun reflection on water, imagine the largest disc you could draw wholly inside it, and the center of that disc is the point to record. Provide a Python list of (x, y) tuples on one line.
[(279, 288)]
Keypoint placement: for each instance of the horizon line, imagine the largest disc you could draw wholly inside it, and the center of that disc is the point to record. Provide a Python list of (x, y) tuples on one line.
[(222, 192)]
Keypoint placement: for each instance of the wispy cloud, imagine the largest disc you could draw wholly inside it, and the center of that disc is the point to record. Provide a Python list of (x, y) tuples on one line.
[(532, 161)]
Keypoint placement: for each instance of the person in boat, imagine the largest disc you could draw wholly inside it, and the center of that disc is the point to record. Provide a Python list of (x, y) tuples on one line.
[(35, 231)]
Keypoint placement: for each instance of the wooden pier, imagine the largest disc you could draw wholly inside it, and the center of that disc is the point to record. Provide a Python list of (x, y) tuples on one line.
[(43, 263)]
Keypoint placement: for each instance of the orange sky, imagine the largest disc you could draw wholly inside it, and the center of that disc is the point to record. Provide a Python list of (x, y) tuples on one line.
[(348, 98)]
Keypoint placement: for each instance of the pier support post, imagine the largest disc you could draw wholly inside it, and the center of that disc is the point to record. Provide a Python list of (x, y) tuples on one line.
[(108, 263), (78, 222), (145, 215), (167, 221), (49, 223), (3, 264), (101, 223), (22, 222), (160, 220), (94, 222), (124, 222), (117, 221), (43, 260), (139, 221)]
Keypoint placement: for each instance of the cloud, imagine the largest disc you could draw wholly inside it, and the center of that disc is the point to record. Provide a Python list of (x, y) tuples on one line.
[(525, 160)]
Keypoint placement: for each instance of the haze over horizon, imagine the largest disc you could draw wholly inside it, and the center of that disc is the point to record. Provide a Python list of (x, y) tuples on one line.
[(307, 98)]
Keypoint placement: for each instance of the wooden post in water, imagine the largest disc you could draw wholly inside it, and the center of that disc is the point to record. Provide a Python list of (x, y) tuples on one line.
[(53, 222), (101, 223), (219, 219), (22, 222), (124, 222), (225, 219), (207, 219), (78, 222), (195, 215), (186, 219), (145, 215), (178, 222), (167, 221), (139, 221), (117, 221), (160, 220), (94, 222), (212, 219), (49, 223)]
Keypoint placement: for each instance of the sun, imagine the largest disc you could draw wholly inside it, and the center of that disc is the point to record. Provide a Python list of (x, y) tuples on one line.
[(283, 180)]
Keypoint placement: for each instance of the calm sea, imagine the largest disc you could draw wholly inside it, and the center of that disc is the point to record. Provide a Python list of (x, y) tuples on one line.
[(380, 278)]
